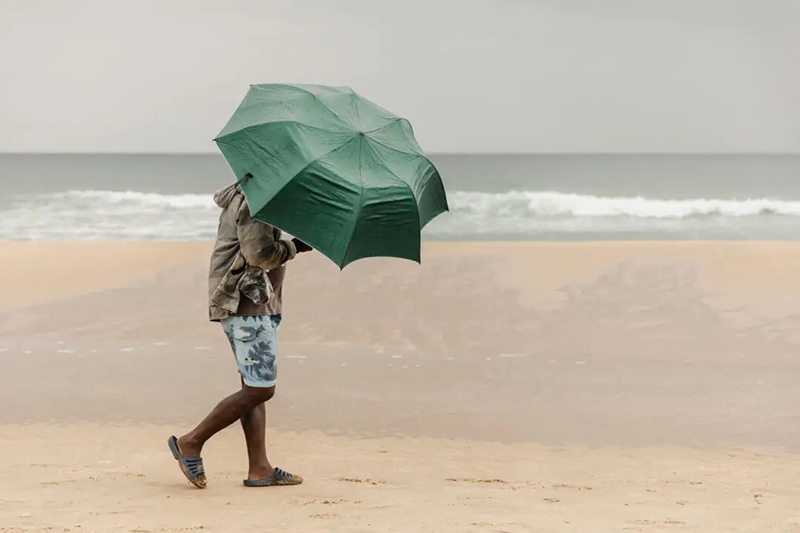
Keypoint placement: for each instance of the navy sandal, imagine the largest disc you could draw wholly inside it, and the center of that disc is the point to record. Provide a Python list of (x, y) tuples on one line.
[(279, 478), (192, 467)]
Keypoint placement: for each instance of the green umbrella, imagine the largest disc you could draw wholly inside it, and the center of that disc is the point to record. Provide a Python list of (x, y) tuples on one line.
[(333, 169)]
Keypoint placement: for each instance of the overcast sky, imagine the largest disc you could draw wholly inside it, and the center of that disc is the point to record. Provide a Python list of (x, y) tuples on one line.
[(471, 75)]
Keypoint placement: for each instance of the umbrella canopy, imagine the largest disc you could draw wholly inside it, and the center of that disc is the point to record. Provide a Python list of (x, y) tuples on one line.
[(333, 169)]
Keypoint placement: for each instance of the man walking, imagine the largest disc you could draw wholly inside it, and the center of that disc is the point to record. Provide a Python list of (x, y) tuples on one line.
[(245, 289)]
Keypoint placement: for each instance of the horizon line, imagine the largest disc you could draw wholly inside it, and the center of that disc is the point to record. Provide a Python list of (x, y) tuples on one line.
[(432, 153)]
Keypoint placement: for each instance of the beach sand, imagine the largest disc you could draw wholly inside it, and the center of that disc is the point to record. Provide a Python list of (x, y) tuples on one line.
[(498, 387)]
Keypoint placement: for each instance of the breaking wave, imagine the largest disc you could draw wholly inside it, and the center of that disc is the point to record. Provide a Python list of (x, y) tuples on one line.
[(131, 215)]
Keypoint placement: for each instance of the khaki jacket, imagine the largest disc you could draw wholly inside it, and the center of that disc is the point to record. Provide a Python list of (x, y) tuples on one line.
[(247, 262)]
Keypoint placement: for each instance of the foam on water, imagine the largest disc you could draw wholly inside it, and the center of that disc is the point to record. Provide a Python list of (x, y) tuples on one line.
[(130, 215), (553, 204), (539, 214), (109, 215)]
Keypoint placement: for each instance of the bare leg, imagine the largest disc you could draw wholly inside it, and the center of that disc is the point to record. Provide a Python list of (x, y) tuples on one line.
[(228, 411), (254, 424)]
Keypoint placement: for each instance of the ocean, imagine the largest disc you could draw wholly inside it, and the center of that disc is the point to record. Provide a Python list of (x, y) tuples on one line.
[(492, 197)]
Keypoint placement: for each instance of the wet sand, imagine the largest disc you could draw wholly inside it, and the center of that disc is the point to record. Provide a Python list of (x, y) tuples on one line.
[(497, 387)]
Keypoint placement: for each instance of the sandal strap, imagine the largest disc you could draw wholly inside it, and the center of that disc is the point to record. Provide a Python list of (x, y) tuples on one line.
[(281, 474), (194, 465)]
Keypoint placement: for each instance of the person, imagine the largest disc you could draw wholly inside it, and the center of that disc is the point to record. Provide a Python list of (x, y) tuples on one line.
[(245, 292)]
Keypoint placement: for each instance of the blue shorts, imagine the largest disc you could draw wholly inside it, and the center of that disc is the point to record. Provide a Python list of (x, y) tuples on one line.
[(254, 340)]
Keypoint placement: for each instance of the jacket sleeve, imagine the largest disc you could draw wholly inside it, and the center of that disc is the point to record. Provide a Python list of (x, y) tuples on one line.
[(257, 240)]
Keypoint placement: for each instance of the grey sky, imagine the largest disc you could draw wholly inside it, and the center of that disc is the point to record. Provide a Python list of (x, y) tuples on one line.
[(471, 75)]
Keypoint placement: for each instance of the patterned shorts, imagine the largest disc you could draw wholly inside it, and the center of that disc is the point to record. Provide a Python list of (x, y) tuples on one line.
[(254, 343)]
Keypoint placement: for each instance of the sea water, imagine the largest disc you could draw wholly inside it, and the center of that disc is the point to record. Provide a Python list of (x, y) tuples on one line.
[(491, 197)]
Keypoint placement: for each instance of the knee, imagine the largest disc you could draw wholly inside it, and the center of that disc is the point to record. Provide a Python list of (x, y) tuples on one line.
[(259, 395)]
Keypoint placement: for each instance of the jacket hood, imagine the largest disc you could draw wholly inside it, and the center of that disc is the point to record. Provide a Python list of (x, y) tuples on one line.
[(225, 196)]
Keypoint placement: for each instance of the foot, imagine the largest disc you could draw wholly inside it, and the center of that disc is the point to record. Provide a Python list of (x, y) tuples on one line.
[(188, 447), (261, 472), (192, 467), (278, 478)]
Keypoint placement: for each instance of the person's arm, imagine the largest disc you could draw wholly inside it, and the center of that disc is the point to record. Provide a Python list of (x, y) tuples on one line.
[(258, 243)]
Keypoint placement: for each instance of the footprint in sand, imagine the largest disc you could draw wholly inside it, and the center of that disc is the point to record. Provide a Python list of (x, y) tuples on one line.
[(476, 480), (500, 483), (365, 481), (488, 525), (325, 502), (657, 523), (571, 487)]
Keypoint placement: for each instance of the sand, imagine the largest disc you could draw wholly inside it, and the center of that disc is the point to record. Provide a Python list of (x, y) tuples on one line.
[(497, 387)]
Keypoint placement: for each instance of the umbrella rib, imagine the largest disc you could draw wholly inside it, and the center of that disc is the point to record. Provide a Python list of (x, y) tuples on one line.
[(355, 106), (395, 121), (273, 122), (360, 201), (410, 190), (406, 153), (400, 151), (317, 98), (302, 169)]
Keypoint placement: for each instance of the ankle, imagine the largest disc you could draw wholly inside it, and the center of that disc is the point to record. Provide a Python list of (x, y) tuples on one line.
[(189, 444), (261, 469)]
